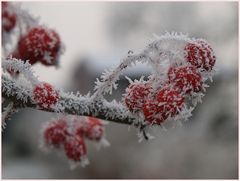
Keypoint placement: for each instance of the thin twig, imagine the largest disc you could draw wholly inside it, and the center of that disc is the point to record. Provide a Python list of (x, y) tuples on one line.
[(6, 113)]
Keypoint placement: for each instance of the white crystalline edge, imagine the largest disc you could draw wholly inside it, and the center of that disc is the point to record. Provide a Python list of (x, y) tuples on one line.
[(18, 65), (83, 162), (116, 110), (140, 134), (103, 142), (6, 114), (22, 92)]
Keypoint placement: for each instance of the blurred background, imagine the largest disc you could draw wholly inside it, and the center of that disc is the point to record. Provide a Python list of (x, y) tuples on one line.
[(97, 35)]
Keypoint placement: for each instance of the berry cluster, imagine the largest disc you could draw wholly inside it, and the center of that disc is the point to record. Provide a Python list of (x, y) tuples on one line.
[(71, 134), (181, 81), (39, 44), (9, 17)]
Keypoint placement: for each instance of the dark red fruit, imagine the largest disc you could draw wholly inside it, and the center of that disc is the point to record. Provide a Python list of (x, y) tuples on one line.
[(92, 128), (200, 55), (55, 133), (39, 44), (75, 148), (166, 104), (185, 78), (136, 95), (45, 95)]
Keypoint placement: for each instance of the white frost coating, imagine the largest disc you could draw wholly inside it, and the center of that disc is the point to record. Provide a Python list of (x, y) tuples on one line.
[(16, 65), (84, 162), (102, 143), (115, 110), (6, 113), (12, 88), (109, 77), (76, 103), (141, 136)]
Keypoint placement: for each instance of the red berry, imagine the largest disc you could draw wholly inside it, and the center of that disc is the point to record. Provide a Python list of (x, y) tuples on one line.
[(185, 78), (45, 95), (9, 17), (39, 44), (200, 55), (136, 95), (75, 148), (92, 128), (166, 104), (96, 130), (55, 133)]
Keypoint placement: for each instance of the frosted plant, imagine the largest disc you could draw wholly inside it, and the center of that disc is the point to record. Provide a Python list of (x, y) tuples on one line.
[(180, 68)]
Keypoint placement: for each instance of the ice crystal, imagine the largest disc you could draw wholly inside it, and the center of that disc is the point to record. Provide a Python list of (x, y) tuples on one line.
[(19, 66)]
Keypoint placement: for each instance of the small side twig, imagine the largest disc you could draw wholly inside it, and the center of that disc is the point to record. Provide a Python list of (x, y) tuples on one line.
[(7, 111)]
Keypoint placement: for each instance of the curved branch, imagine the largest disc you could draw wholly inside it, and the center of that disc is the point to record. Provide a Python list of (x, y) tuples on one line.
[(69, 103), (163, 48)]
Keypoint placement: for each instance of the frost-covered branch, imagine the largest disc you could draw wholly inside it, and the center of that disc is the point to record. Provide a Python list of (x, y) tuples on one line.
[(110, 77), (68, 103), (165, 47)]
